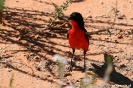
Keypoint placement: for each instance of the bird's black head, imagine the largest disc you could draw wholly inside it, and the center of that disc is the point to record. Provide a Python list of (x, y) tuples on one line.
[(77, 17)]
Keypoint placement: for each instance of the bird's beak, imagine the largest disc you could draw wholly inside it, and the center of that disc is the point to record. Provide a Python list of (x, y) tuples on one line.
[(70, 18)]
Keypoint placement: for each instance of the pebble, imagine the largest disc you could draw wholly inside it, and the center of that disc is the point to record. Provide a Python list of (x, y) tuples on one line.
[(37, 59), (89, 16), (120, 36), (9, 70), (101, 3), (121, 16)]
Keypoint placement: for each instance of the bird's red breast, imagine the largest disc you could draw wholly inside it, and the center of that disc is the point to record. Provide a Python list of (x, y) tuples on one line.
[(77, 37)]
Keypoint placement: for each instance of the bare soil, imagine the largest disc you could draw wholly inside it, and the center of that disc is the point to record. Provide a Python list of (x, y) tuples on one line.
[(27, 46)]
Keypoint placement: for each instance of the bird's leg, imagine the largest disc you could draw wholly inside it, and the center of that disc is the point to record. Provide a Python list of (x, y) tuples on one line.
[(84, 69), (71, 63)]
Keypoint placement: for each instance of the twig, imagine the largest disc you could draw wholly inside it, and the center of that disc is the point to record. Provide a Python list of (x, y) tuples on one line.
[(58, 12), (113, 23)]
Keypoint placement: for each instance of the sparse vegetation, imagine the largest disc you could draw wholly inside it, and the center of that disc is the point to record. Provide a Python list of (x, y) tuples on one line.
[(58, 13), (2, 3), (11, 81), (16, 51), (109, 67)]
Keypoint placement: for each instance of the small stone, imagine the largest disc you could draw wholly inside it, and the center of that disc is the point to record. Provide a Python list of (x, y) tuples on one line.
[(37, 59), (101, 3), (9, 70), (121, 16), (89, 16), (120, 36)]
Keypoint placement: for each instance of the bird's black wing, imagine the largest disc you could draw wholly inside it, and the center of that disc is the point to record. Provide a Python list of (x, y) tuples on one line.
[(87, 36), (67, 35), (84, 29)]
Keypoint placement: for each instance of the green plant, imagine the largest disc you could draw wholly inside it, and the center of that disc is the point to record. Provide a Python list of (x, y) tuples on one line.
[(113, 14), (11, 81), (61, 62), (109, 69), (86, 81), (2, 2), (58, 11)]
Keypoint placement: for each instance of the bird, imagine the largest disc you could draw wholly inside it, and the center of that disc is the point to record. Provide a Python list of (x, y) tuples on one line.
[(78, 37)]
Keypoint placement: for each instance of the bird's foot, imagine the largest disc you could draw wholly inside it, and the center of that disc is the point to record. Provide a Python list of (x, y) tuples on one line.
[(71, 66), (84, 68)]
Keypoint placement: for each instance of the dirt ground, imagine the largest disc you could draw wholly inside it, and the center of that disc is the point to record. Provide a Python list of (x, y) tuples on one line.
[(27, 46)]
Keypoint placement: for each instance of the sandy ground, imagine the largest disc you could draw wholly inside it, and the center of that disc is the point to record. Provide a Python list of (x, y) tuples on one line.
[(27, 46)]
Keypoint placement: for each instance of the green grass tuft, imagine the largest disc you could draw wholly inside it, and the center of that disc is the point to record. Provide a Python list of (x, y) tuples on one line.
[(11, 81), (58, 13), (2, 2)]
